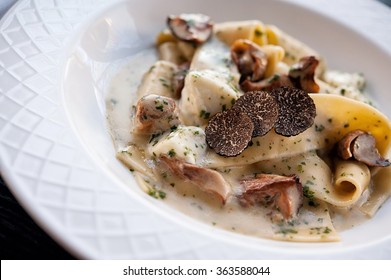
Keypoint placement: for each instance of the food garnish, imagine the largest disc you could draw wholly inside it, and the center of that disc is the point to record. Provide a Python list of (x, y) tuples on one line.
[(229, 132), (296, 111), (261, 107)]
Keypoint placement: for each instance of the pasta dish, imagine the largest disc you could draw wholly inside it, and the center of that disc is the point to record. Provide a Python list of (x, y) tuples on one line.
[(242, 126)]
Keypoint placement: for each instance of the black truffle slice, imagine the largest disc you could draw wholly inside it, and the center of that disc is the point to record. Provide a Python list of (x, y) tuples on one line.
[(262, 109), (229, 132), (296, 110)]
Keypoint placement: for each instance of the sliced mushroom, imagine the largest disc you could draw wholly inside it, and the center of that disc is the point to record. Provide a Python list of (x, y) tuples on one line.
[(207, 180), (195, 28), (361, 146), (281, 193), (155, 114), (344, 145), (250, 60), (303, 72), (178, 79), (275, 81)]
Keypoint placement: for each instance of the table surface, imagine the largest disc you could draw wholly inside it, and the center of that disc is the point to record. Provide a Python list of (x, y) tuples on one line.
[(20, 236)]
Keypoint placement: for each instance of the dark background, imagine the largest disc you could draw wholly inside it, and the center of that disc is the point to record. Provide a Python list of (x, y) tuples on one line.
[(21, 237)]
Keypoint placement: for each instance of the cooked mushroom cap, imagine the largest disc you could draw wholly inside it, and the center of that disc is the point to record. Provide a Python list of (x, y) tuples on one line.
[(196, 28), (362, 147), (229, 132), (281, 193), (250, 60), (296, 111), (302, 74), (261, 107), (344, 147), (155, 114), (268, 84), (206, 179)]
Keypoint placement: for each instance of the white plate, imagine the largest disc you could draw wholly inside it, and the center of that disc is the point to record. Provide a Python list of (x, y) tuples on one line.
[(57, 156)]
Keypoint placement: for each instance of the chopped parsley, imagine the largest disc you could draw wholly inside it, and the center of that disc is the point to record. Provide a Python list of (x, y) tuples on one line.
[(258, 33), (171, 153), (204, 114), (286, 231), (157, 193), (319, 128)]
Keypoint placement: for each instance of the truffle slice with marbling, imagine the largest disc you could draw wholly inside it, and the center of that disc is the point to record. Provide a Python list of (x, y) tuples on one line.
[(296, 111), (229, 132), (261, 107)]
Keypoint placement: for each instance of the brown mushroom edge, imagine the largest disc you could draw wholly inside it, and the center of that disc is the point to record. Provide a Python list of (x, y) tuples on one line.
[(250, 60), (301, 76), (194, 28), (361, 146), (155, 114), (282, 194)]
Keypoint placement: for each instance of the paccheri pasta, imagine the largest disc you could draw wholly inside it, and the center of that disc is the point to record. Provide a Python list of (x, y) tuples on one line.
[(243, 127)]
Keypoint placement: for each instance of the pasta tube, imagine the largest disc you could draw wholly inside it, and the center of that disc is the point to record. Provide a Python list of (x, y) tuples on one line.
[(253, 30)]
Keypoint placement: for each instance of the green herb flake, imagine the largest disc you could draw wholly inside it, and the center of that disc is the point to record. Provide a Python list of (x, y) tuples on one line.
[(195, 76), (160, 107), (164, 82), (204, 114), (319, 128), (287, 231), (308, 193), (171, 153), (157, 193), (258, 33)]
